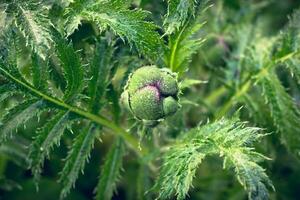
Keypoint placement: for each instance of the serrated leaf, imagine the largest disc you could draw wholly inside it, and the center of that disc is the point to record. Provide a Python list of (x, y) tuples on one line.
[(48, 136), (128, 24), (111, 171), (17, 116), (229, 139), (183, 44), (35, 27), (100, 70), (76, 159), (6, 91), (288, 45), (71, 66), (143, 183), (16, 150), (284, 113), (187, 83), (39, 72), (178, 13)]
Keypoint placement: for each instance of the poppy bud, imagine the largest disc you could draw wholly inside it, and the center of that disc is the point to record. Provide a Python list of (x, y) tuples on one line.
[(151, 93)]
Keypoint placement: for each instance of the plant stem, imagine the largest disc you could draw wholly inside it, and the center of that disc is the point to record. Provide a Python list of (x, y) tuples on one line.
[(247, 85), (132, 141)]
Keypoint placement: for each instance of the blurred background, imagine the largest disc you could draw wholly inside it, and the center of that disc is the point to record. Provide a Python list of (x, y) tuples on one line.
[(215, 63)]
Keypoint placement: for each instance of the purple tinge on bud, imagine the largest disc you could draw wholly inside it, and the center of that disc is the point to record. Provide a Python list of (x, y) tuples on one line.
[(152, 93)]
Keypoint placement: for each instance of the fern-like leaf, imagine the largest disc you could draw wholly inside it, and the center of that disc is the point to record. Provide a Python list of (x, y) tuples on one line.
[(19, 115), (288, 45), (284, 112), (76, 159), (100, 71), (178, 13), (32, 21), (111, 171), (16, 150), (6, 91), (39, 72), (71, 66), (48, 136), (184, 43), (128, 24), (227, 138)]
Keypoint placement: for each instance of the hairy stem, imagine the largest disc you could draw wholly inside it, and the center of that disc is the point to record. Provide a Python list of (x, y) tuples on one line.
[(132, 141), (250, 82)]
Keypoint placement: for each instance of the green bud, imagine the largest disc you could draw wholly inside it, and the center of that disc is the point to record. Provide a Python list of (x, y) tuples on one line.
[(151, 93), (170, 105)]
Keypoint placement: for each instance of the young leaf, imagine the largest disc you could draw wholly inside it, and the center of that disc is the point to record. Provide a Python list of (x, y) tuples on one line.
[(75, 161), (6, 91), (48, 136), (129, 24), (19, 115), (183, 44), (178, 13), (71, 66), (284, 112), (100, 71), (39, 72), (111, 171), (227, 138), (288, 45), (16, 150), (31, 19)]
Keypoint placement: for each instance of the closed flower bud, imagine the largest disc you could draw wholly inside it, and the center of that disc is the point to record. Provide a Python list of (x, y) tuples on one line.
[(151, 93)]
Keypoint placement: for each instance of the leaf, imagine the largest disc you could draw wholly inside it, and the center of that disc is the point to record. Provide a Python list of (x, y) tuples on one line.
[(284, 112), (251, 176), (129, 24), (32, 21), (111, 171), (78, 155), (227, 138), (178, 13), (188, 83), (183, 44), (288, 45), (113, 101), (19, 115), (6, 91), (16, 150), (48, 136), (100, 70), (143, 183), (71, 66), (39, 72), (178, 170)]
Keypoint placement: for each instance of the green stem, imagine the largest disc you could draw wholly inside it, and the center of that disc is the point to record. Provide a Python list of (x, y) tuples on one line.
[(247, 85), (174, 49), (132, 141)]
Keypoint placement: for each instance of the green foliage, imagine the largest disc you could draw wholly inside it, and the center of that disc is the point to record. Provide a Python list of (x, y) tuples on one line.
[(19, 115), (72, 69), (184, 42), (288, 44), (284, 112), (100, 74), (48, 136), (31, 19), (79, 153), (126, 23), (228, 139), (63, 67), (178, 13), (111, 171)]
